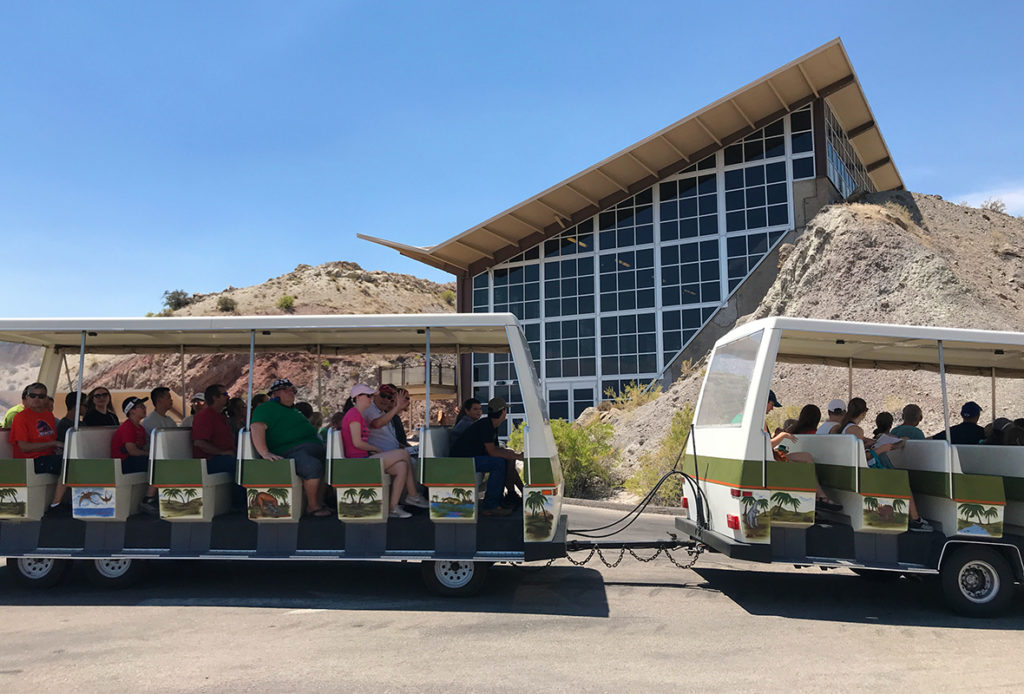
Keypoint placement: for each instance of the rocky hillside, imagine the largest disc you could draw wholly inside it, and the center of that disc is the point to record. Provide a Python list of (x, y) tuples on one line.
[(890, 258)]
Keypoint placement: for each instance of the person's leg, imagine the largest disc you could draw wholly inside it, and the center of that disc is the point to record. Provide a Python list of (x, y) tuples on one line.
[(396, 464), (52, 465), (512, 479), (309, 465), (227, 463), (495, 467)]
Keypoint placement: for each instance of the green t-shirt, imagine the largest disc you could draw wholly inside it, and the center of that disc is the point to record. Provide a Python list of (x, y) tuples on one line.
[(9, 417), (286, 427), (905, 430)]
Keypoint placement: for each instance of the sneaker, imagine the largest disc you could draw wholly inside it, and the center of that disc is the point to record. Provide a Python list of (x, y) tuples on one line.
[(920, 526), (416, 500), (512, 501), (150, 506), (61, 510), (399, 512)]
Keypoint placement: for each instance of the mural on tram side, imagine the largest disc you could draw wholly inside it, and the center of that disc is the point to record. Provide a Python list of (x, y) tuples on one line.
[(792, 508), (452, 503), (93, 502), (756, 523), (979, 519), (538, 515), (13, 502), (269, 502), (360, 502), (881, 513), (181, 502)]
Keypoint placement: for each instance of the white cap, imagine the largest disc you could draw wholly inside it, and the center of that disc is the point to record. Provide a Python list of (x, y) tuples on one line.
[(837, 405)]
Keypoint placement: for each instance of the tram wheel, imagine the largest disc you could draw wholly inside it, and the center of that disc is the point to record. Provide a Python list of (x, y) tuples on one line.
[(454, 579), (37, 572), (977, 581), (114, 572)]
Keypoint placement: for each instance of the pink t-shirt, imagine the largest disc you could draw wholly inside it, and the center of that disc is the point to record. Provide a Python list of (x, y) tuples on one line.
[(354, 415)]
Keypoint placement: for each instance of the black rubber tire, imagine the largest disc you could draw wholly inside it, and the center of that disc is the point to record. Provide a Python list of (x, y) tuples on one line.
[(877, 575), (977, 581), (114, 572), (32, 572), (454, 579)]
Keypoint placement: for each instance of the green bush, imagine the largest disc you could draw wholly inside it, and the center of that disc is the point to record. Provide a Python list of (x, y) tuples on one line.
[(226, 304), (585, 453), (633, 395), (653, 466), (448, 296), (286, 303), (177, 298)]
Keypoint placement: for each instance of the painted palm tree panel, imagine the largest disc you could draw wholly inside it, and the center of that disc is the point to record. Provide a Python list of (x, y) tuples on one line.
[(452, 504), (13, 502), (93, 502), (974, 518), (539, 516), (269, 503), (360, 503), (181, 502), (756, 518), (885, 514), (792, 509)]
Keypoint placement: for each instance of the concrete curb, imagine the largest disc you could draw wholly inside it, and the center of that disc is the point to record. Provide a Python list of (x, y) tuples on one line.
[(617, 506)]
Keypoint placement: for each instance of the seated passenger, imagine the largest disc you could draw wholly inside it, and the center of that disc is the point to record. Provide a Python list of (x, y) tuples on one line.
[(195, 404), (235, 412), (157, 419), (334, 424), (912, 416), (387, 403), (994, 431), (68, 420), (469, 413), (280, 431), (99, 409), (883, 424), (259, 399), (33, 435), (214, 440), (12, 413), (806, 422), (131, 446), (480, 442), (836, 409), (967, 432), (780, 452), (355, 440), (305, 408), (850, 425)]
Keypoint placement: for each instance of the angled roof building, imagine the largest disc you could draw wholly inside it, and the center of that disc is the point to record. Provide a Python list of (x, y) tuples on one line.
[(615, 271)]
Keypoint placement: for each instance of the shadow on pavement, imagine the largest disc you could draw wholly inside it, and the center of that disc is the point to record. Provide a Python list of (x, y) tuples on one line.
[(327, 586), (841, 597)]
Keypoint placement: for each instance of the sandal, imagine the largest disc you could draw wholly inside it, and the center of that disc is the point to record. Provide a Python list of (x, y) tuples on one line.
[(825, 504), (322, 512)]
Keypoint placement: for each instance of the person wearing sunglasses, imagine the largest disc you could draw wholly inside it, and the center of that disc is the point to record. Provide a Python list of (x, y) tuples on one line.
[(99, 409), (34, 435)]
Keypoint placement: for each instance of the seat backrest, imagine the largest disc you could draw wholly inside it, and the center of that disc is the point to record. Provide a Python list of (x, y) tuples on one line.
[(1006, 461), (830, 449), (171, 443), (90, 442), (926, 455), (246, 451), (6, 450), (436, 442)]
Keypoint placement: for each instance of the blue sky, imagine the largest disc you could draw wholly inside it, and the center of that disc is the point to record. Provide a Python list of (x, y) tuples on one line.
[(197, 145)]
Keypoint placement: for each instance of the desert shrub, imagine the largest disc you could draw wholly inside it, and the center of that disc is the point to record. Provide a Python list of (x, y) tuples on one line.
[(633, 395), (653, 466), (776, 417), (162, 314), (585, 453), (994, 205), (448, 296), (286, 303), (177, 298), (226, 304), (899, 212)]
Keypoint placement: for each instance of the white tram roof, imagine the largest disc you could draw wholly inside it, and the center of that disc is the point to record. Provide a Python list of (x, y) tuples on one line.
[(892, 347), (339, 334)]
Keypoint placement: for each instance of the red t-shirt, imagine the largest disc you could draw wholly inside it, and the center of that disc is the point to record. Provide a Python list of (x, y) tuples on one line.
[(128, 431), (214, 428), (354, 415), (32, 427)]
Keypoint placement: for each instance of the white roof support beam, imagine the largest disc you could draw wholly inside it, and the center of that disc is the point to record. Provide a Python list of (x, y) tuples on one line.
[(611, 180), (808, 79), (708, 131)]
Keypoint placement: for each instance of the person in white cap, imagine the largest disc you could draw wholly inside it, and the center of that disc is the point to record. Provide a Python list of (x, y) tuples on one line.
[(131, 446), (836, 410), (195, 404)]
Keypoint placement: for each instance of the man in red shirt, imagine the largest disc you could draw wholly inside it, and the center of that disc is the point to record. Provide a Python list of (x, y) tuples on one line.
[(214, 439), (34, 435), (131, 446)]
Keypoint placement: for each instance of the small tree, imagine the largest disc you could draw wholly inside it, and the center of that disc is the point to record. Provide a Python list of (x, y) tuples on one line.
[(286, 303), (177, 298), (448, 296), (226, 304), (994, 205)]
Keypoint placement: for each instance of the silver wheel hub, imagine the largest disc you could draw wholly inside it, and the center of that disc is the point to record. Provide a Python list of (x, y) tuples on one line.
[(112, 568), (454, 574), (35, 568), (979, 581)]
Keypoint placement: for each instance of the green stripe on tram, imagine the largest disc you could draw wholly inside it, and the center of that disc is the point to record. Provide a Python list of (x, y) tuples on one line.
[(789, 475), (541, 472), (930, 482), (13, 472), (986, 488), (172, 472), (730, 471), (453, 471), (365, 472), (266, 473), (836, 476), (885, 483), (1013, 487), (99, 472)]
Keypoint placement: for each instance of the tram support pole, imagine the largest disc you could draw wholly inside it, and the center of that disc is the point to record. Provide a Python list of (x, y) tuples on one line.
[(945, 414), (319, 380), (184, 395), (993, 393), (849, 382)]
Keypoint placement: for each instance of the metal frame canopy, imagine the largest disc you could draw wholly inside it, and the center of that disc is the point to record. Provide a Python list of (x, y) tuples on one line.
[(342, 334), (892, 347), (824, 72)]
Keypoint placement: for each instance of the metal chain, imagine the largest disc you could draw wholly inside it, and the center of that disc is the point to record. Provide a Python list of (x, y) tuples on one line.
[(694, 554)]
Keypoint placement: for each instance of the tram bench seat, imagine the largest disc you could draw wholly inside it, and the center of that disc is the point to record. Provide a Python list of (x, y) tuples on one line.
[(273, 490), (99, 490), (25, 493), (188, 493), (363, 489), (437, 443), (1005, 462), (452, 485)]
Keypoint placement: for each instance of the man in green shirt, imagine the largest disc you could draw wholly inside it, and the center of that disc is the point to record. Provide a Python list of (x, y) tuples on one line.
[(280, 431)]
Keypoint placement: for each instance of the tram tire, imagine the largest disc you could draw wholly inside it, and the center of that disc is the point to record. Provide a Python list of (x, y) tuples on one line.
[(114, 572), (454, 579), (33, 572), (977, 581)]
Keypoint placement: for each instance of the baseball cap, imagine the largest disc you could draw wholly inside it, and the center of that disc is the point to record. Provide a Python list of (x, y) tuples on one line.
[(836, 405), (361, 389), (970, 409), (280, 384), (198, 396), (772, 399), (387, 390), (129, 404), (496, 405)]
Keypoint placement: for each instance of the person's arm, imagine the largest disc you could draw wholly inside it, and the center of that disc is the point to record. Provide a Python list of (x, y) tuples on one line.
[(134, 449), (497, 451), (209, 449), (28, 446), (782, 436), (401, 402), (356, 433), (258, 431)]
